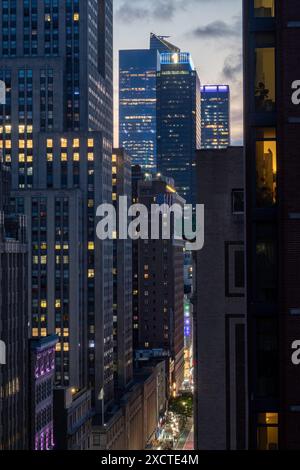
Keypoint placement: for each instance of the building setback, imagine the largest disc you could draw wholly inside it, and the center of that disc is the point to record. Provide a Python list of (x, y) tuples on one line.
[(215, 116), (271, 52), (56, 133), (13, 322), (220, 307)]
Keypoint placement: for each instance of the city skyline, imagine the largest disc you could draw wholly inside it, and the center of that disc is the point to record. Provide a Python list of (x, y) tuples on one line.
[(214, 40)]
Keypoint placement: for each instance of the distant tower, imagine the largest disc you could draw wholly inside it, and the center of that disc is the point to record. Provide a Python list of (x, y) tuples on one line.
[(215, 116)]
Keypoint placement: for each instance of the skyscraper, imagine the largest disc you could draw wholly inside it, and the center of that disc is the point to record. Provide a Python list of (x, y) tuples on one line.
[(160, 318), (137, 105), (56, 133), (137, 101), (215, 116), (273, 220), (13, 322), (178, 121), (122, 276)]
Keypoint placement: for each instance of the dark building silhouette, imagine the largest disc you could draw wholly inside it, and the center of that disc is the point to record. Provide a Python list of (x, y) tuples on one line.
[(122, 274), (72, 419), (13, 322), (272, 124), (220, 308)]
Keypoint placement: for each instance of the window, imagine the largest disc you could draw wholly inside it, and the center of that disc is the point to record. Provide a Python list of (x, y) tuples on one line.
[(265, 79), (264, 8), (266, 168), (267, 358), (239, 269), (267, 431), (237, 201)]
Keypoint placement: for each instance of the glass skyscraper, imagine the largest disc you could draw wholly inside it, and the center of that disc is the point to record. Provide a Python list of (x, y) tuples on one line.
[(215, 116), (138, 99), (178, 121), (137, 105)]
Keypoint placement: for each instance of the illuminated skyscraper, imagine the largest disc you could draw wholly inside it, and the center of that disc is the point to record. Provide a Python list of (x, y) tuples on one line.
[(56, 61), (137, 101), (215, 116), (137, 106), (178, 121)]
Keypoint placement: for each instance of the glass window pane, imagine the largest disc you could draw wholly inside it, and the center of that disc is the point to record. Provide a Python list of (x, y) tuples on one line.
[(265, 79), (264, 8), (267, 438), (266, 173), (266, 360)]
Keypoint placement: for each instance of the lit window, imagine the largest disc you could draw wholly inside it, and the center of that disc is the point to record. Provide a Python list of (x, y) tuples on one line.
[(76, 16), (267, 431), (91, 246), (44, 332), (90, 157), (43, 303), (8, 144), (114, 158), (66, 347), (35, 332), (76, 157), (57, 303), (265, 85), (90, 143), (64, 157), (76, 143), (58, 347), (29, 144), (49, 143), (63, 142), (49, 157), (21, 157), (266, 168), (91, 273)]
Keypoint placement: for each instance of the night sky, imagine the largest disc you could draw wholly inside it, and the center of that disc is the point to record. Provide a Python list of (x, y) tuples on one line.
[(210, 29)]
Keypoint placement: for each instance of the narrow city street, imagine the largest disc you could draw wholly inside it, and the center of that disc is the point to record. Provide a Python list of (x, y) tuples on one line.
[(186, 439)]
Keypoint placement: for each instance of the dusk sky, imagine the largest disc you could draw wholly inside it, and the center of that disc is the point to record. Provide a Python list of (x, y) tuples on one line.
[(210, 29)]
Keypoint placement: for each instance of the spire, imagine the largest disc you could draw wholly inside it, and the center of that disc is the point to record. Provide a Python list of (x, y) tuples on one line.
[(160, 43)]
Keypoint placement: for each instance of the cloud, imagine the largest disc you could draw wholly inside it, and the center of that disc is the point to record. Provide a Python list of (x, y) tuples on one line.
[(233, 66), (150, 9), (218, 30)]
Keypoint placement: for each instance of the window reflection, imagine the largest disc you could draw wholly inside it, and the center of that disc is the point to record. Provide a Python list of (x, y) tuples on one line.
[(266, 168), (265, 79), (264, 8)]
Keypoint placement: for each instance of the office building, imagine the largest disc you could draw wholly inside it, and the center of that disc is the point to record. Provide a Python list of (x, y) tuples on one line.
[(137, 105), (215, 116), (122, 275), (220, 318), (138, 99), (178, 121), (13, 322), (160, 319), (41, 382), (56, 133), (72, 419), (133, 422), (271, 45)]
